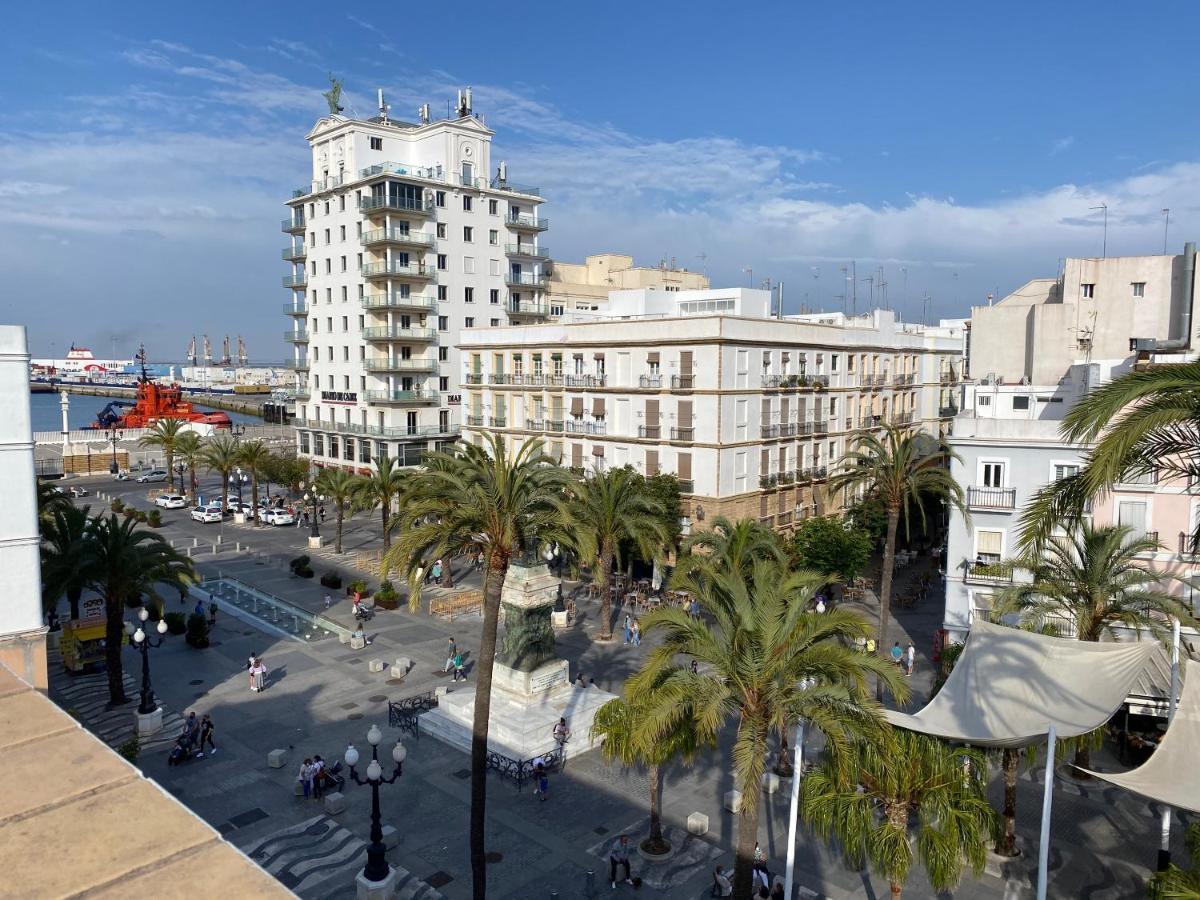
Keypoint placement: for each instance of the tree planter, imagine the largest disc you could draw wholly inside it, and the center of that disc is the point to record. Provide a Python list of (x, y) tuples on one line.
[(653, 857)]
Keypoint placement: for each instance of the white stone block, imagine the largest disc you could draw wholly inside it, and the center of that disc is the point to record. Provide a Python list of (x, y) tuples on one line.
[(770, 782), (297, 789), (277, 759), (391, 837), (315, 543), (733, 801), (335, 803), (375, 665), (358, 641), (397, 672), (697, 823), (376, 890), (404, 663)]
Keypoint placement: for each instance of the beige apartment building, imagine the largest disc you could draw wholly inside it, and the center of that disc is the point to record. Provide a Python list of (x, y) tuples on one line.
[(584, 287), (750, 412)]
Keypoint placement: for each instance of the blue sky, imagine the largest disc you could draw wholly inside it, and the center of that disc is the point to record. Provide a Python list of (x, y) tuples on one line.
[(145, 149)]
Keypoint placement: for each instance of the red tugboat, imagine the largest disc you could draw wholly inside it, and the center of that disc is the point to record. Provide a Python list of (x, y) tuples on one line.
[(155, 401)]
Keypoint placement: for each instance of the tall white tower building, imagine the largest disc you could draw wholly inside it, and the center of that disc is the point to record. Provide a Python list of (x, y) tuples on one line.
[(405, 236)]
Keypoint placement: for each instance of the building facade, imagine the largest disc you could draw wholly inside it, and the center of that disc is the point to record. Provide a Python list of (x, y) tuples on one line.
[(399, 242), (581, 288), (750, 412)]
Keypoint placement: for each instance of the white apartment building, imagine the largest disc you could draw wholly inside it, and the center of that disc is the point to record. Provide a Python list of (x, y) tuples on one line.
[(400, 242), (750, 412), (1033, 363)]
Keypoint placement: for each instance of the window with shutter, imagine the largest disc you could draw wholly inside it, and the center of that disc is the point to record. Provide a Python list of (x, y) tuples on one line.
[(989, 546)]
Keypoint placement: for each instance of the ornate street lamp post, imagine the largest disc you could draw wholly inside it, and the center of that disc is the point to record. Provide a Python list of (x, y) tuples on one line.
[(312, 499), (114, 435), (553, 556), (237, 431), (143, 644), (377, 868)]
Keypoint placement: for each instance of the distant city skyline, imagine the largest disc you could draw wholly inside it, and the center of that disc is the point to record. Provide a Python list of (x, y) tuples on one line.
[(146, 150)]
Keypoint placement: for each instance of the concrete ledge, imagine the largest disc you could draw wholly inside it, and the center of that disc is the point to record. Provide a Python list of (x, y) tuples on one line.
[(277, 759), (335, 803)]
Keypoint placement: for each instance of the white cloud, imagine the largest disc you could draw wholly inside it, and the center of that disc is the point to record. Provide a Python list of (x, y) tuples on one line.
[(1060, 144)]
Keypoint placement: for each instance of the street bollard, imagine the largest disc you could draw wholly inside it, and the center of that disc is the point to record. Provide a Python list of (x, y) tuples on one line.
[(216, 548), (589, 884), (195, 542), (237, 548)]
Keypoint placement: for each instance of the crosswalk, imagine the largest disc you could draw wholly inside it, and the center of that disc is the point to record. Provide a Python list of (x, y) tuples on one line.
[(86, 697), (319, 852)]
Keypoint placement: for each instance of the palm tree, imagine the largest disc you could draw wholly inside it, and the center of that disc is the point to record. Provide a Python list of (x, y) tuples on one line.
[(254, 455), (629, 738), (189, 449), (1091, 583), (125, 563), (165, 436), (612, 507), (866, 799), (904, 476), (220, 455), (64, 554), (380, 489), (339, 488), (727, 544), (49, 499), (472, 499), (1149, 419), (764, 662)]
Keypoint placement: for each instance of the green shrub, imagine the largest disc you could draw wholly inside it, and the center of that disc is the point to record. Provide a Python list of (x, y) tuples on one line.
[(331, 580), (306, 572), (130, 749), (118, 504), (357, 586), (154, 517), (386, 597), (197, 631), (176, 622), (300, 562)]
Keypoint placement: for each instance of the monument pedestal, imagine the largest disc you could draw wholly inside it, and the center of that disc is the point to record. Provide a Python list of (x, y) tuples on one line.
[(531, 688), (376, 890), (148, 724), (315, 543)]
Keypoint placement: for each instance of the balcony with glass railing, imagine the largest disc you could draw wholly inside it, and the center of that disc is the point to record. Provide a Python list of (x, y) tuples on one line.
[(526, 223), (298, 336), (396, 333), (295, 309), (412, 206), (294, 254), (384, 364), (499, 184), (403, 170), (297, 365), (298, 393), (526, 280), (387, 398), (397, 301), (293, 225), (297, 281), (399, 237), (527, 308), (527, 250), (411, 271)]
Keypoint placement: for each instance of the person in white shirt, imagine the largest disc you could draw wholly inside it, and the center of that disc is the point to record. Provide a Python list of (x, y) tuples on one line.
[(561, 732), (911, 655)]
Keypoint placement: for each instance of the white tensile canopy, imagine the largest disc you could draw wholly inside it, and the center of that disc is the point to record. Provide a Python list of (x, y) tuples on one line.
[(1170, 775), (1009, 686)]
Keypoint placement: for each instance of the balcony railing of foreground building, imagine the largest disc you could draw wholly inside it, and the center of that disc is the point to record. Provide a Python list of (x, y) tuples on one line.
[(653, 432), (1186, 546), (786, 478), (947, 412), (526, 223), (543, 424), (315, 187), (298, 393), (299, 280), (527, 250), (904, 418), (818, 472), (297, 365), (404, 170), (295, 309), (820, 427), (527, 308), (396, 431), (586, 381), (784, 518), (866, 422), (474, 421), (794, 382), (294, 254), (991, 498), (650, 381), (380, 205), (526, 279), (498, 378), (769, 431), (474, 378), (787, 429), (396, 333), (397, 301), (804, 428), (684, 382), (947, 376), (683, 433), (299, 336), (294, 225), (989, 572), (417, 271), (766, 482), (579, 426), (384, 364), (383, 398), (506, 185), (401, 237), (498, 421)]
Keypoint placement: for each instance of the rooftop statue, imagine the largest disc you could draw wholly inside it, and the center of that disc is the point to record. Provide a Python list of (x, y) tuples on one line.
[(333, 96)]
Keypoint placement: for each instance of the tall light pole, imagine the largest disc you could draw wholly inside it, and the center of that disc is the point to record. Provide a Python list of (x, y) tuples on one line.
[(1166, 224), (749, 271), (312, 498), (1104, 245), (377, 869), (142, 642), (114, 435)]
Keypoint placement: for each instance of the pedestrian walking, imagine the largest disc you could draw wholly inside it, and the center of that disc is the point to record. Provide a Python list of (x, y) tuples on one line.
[(451, 652), (761, 875), (619, 856), (321, 513), (328, 601), (250, 669), (628, 629), (722, 886), (304, 776), (206, 734), (458, 668), (436, 572), (579, 682), (897, 654), (318, 777), (260, 675), (562, 734), (637, 633), (212, 613), (695, 667), (543, 782), (911, 656), (199, 610), (694, 608)]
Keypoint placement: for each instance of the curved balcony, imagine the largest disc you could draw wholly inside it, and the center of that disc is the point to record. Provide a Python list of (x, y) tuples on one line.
[(400, 398), (390, 333), (299, 336), (392, 301), (417, 272), (296, 282), (526, 223), (527, 251), (379, 206), (383, 364), (397, 237)]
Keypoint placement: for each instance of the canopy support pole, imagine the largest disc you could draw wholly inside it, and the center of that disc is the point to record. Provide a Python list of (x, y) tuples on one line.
[(797, 770), (1047, 800), (1164, 850)]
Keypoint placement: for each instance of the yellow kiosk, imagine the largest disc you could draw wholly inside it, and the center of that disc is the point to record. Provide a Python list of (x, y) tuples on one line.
[(82, 642)]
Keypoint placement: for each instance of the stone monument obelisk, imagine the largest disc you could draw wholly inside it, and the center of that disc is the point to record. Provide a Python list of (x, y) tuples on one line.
[(531, 686)]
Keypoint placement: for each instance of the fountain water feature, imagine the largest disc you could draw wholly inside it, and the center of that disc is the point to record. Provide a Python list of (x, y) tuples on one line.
[(297, 622)]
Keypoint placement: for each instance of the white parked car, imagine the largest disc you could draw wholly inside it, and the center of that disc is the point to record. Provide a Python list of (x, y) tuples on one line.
[(279, 517), (152, 475), (171, 501), (206, 513)]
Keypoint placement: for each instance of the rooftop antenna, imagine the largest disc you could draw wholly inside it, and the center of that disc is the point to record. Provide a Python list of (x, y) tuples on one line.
[(749, 270), (854, 287), (1104, 245), (703, 257), (383, 108), (870, 280), (502, 172), (845, 278), (423, 113), (1166, 224), (903, 290)]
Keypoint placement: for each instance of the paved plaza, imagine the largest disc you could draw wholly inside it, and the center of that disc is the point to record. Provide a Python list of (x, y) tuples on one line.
[(320, 696)]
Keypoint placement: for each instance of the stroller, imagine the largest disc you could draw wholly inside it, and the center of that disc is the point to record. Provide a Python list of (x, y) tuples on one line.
[(181, 751)]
